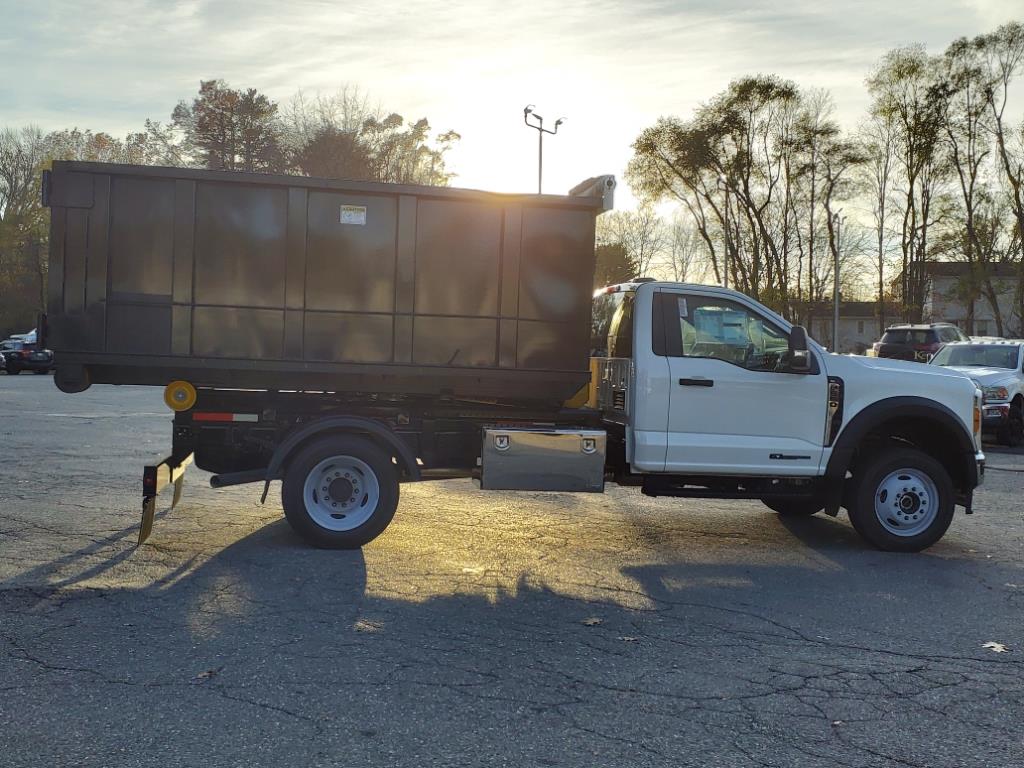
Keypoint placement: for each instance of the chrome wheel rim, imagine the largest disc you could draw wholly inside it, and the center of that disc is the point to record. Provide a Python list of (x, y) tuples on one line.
[(906, 502), (341, 493)]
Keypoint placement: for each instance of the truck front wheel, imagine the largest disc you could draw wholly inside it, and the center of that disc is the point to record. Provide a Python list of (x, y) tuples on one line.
[(1013, 433), (902, 500), (340, 492)]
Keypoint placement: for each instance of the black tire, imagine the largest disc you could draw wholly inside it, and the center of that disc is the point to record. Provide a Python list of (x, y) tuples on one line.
[(13, 370), (71, 380), (1013, 434), (794, 507), (384, 471), (868, 481)]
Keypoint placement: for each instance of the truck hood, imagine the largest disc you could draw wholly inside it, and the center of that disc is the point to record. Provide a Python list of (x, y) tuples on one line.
[(986, 376), (901, 367), (868, 380)]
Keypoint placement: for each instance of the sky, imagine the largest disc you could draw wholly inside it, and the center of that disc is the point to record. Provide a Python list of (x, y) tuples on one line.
[(610, 68)]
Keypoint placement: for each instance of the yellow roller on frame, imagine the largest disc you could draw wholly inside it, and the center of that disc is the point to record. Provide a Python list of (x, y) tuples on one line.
[(179, 395)]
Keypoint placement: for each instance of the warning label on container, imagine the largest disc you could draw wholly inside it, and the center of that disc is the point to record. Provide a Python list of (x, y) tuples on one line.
[(353, 214)]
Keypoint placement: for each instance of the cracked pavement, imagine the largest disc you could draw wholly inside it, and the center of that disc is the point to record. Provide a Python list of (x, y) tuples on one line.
[(725, 635)]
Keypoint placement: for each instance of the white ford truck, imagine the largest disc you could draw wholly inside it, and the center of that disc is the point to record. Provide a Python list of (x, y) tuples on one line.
[(344, 337), (707, 393), (996, 366)]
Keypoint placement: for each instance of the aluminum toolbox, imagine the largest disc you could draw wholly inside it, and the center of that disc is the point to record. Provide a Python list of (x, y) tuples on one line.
[(286, 282), (543, 460)]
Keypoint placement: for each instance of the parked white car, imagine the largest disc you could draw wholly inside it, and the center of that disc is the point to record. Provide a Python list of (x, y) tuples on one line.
[(997, 367)]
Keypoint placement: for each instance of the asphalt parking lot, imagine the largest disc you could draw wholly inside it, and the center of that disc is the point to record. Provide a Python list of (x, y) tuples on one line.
[(481, 630)]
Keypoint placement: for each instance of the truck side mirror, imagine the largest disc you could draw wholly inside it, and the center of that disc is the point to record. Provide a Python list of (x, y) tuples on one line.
[(799, 356)]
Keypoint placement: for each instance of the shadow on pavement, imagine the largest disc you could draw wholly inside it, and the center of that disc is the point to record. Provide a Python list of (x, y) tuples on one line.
[(309, 659)]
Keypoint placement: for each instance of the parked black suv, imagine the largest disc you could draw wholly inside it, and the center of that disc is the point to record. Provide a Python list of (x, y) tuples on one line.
[(916, 342), (21, 356)]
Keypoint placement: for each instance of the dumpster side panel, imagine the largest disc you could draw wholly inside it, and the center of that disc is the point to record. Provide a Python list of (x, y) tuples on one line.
[(350, 265), (141, 266), (296, 283), (458, 255), (555, 288), (351, 338), (78, 282)]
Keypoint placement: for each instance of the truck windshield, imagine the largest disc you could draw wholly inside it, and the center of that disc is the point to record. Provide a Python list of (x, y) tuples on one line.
[(611, 325), (978, 355)]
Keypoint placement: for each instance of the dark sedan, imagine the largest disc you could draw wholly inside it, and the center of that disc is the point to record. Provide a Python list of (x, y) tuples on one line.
[(21, 356)]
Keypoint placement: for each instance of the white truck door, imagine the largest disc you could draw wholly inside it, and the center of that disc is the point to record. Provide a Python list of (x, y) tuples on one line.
[(732, 408)]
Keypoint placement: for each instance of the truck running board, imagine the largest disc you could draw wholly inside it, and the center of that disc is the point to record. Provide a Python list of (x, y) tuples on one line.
[(155, 478), (755, 488)]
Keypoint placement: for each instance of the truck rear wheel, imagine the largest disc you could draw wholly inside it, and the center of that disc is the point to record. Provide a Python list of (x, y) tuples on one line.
[(902, 500), (340, 492)]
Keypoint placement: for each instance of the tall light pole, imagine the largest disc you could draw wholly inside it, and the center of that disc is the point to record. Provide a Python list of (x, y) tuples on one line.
[(541, 130), (837, 223)]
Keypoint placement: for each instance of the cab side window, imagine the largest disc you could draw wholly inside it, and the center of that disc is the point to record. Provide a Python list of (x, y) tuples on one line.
[(723, 330), (620, 330)]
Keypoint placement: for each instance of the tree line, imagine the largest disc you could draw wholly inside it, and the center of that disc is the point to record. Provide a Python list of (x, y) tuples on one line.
[(343, 135), (771, 191)]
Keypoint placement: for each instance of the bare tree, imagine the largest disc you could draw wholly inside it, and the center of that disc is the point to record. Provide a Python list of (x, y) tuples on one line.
[(1002, 53), (902, 90), (684, 249), (966, 134), (816, 131), (840, 160), (641, 233), (22, 152), (23, 224), (728, 167), (878, 140), (344, 111)]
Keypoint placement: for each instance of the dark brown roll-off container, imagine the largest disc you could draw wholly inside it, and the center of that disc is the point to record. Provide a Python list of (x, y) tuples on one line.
[(258, 281)]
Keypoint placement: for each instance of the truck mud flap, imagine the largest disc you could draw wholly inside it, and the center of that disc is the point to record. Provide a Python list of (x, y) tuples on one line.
[(155, 478)]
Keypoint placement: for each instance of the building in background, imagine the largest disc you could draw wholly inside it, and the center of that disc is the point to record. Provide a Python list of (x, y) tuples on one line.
[(946, 299), (858, 324)]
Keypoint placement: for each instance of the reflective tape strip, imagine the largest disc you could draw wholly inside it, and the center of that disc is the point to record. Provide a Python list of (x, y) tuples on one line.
[(225, 417)]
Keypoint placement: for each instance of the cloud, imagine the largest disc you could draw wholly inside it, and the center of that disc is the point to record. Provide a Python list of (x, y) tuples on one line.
[(612, 67)]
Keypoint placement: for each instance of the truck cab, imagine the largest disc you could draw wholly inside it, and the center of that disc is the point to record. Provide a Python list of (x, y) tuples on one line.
[(706, 392)]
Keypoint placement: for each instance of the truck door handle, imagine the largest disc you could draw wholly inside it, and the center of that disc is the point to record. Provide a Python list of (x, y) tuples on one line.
[(697, 382)]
